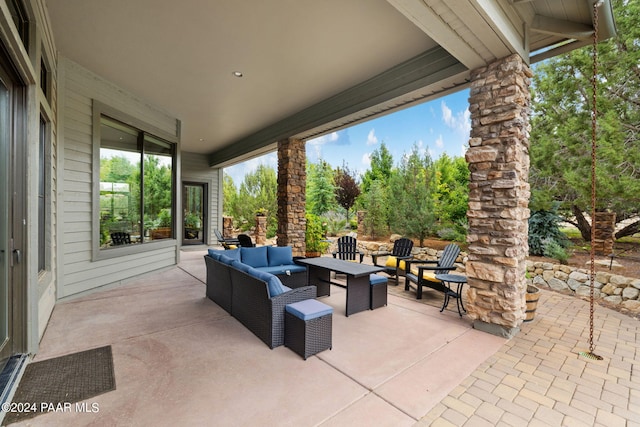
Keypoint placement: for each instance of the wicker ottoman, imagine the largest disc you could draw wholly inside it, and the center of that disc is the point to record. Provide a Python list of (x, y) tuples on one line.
[(378, 295), (307, 327)]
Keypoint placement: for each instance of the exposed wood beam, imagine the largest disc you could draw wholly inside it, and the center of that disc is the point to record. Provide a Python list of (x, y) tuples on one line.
[(561, 27)]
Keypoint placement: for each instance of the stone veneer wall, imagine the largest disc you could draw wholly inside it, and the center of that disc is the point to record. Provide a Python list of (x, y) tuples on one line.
[(498, 158), (292, 181)]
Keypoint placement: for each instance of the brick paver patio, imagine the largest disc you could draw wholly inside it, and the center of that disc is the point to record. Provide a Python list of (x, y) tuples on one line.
[(538, 378)]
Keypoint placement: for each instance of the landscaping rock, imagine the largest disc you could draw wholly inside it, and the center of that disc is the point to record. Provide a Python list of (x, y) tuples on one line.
[(613, 299), (585, 291), (558, 285), (608, 289), (630, 293), (574, 284), (539, 281), (578, 276), (619, 280), (603, 277), (632, 305), (561, 275)]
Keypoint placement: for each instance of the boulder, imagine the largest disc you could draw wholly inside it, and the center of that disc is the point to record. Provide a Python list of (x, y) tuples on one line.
[(614, 299), (630, 293), (557, 285)]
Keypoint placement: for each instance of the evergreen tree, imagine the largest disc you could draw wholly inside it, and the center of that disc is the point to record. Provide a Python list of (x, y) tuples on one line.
[(321, 191), (413, 190), (375, 221), (380, 169)]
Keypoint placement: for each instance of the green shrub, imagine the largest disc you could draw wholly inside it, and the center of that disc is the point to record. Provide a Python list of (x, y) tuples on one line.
[(314, 236), (543, 229), (552, 249)]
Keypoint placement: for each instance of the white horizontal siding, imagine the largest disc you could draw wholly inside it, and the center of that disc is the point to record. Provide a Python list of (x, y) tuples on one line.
[(80, 270), (116, 270)]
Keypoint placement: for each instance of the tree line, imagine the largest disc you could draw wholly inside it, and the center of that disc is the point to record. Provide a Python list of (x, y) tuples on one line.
[(417, 197)]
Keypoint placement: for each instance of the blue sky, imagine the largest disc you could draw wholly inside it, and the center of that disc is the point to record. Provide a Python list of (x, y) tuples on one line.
[(439, 126)]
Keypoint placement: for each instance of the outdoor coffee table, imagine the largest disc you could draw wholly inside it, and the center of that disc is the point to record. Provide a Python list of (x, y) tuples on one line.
[(358, 286), (449, 279)]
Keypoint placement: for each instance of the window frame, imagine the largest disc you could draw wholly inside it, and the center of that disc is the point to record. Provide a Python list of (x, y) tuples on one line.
[(99, 110), (44, 195)]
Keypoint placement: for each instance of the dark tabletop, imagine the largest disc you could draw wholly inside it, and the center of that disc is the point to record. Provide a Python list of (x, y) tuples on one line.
[(340, 266), (452, 278)]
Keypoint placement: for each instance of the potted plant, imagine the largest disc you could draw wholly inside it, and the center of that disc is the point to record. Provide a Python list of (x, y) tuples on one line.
[(192, 220), (314, 237), (163, 229)]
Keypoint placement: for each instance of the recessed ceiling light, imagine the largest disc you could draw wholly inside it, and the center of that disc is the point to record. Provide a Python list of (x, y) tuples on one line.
[(201, 139), (237, 73)]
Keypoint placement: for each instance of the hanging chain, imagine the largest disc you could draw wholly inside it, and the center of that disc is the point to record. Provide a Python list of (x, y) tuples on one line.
[(594, 117)]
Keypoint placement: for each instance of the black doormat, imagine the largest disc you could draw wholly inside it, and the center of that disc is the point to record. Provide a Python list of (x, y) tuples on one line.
[(56, 384)]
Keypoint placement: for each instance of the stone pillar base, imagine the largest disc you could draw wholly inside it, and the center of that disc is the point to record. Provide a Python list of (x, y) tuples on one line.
[(493, 329)]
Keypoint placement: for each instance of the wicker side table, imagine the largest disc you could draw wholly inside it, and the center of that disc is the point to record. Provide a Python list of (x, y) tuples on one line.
[(378, 297), (307, 327)]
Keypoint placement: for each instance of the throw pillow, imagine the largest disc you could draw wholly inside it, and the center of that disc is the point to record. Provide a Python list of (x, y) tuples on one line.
[(279, 255), (255, 257)]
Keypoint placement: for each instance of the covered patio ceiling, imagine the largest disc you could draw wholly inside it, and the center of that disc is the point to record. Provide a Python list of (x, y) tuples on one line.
[(308, 67)]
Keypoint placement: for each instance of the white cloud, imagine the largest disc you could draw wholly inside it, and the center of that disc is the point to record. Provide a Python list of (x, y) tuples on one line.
[(324, 139), (366, 159), (439, 142), (447, 115), (461, 121), (372, 139)]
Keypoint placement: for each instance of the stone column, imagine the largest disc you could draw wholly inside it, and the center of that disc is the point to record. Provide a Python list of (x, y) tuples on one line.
[(498, 158), (261, 230), (292, 181), (361, 215), (605, 224), (227, 227)]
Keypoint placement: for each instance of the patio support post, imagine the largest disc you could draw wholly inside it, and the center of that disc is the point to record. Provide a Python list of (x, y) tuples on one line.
[(498, 214), (292, 181)]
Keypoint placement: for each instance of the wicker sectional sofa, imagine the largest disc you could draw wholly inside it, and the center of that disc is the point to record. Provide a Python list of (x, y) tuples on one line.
[(254, 296)]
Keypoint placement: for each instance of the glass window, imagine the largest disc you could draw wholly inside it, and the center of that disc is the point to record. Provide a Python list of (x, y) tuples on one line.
[(136, 186), (44, 78), (20, 19), (43, 200)]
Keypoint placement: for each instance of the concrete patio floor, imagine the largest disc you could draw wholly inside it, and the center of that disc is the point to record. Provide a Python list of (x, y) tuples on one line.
[(181, 360)]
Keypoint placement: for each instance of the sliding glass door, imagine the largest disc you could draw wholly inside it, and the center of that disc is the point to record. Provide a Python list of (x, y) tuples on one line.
[(12, 145)]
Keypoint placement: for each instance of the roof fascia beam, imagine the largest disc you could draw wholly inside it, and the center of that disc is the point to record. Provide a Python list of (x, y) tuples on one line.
[(561, 27), (502, 25), (423, 70), (425, 18)]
